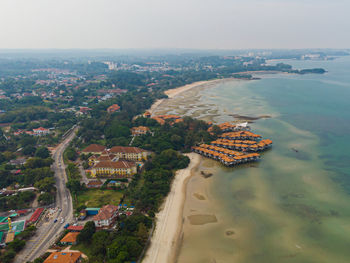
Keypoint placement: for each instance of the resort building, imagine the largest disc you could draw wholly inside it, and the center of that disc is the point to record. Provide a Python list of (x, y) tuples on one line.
[(141, 130), (106, 216), (64, 257), (118, 169), (113, 108), (94, 149), (130, 153), (171, 119)]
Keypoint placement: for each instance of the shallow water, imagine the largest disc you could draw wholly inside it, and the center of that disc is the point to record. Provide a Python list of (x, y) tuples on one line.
[(292, 206)]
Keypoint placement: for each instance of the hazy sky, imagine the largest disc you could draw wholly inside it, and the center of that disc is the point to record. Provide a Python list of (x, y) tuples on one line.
[(225, 24)]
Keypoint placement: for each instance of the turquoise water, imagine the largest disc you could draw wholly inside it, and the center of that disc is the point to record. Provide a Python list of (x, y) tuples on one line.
[(294, 205)]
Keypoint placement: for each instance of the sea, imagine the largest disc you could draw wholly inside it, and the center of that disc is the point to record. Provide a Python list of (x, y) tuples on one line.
[(294, 204)]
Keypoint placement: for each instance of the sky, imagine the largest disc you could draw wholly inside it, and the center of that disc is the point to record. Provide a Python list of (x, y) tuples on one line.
[(195, 24)]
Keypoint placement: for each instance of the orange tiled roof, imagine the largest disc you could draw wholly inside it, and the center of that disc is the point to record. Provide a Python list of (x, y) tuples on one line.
[(122, 149), (71, 237), (94, 148), (63, 257), (114, 165)]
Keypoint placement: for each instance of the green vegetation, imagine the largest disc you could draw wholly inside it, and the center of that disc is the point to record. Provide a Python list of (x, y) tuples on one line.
[(14, 247), (98, 198)]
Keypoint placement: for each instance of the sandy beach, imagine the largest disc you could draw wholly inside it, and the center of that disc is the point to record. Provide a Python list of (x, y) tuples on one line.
[(169, 220), (172, 93)]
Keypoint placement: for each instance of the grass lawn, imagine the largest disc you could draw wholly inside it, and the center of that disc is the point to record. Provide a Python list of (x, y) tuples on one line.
[(98, 198), (82, 248)]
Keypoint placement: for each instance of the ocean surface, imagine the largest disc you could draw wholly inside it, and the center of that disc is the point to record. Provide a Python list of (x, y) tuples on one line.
[(293, 205)]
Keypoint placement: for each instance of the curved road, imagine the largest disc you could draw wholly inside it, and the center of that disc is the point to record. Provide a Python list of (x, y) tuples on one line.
[(49, 231)]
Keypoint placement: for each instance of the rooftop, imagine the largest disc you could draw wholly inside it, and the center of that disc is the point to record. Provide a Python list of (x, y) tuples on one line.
[(71, 237), (63, 257)]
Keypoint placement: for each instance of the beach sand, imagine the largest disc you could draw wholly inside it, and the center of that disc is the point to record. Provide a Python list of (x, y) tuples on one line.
[(169, 219), (172, 93)]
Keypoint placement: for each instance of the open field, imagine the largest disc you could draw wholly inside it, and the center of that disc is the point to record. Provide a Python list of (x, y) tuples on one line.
[(98, 198)]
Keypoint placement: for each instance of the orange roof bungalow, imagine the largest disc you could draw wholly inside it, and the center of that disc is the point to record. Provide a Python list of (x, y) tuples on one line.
[(64, 257), (94, 149), (147, 114), (172, 118), (70, 238), (113, 108), (141, 130)]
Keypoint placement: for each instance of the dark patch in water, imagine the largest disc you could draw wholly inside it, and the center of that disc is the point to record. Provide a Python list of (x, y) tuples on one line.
[(249, 118), (293, 195), (305, 211), (244, 194)]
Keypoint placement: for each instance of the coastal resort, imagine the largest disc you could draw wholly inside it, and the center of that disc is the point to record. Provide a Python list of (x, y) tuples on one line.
[(237, 145), (117, 162)]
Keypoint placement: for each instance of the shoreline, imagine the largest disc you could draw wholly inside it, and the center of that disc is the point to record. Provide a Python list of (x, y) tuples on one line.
[(172, 93), (165, 239)]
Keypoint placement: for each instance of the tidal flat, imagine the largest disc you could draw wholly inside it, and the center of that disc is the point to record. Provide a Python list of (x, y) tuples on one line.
[(292, 206)]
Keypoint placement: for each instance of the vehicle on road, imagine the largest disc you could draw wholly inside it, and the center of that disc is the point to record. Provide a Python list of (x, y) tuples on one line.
[(62, 220), (55, 220), (66, 226)]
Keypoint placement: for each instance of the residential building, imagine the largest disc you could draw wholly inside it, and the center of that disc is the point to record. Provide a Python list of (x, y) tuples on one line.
[(41, 131), (70, 238), (118, 169), (141, 130), (130, 153), (106, 216), (64, 257), (113, 108)]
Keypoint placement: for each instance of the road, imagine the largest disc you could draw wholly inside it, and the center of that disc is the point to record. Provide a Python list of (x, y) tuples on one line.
[(49, 231)]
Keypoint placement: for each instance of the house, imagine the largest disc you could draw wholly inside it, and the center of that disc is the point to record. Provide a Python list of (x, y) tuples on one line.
[(70, 238), (130, 153), (94, 184), (19, 161), (106, 216), (94, 149), (64, 257), (120, 169), (113, 108), (141, 130), (41, 131), (147, 114)]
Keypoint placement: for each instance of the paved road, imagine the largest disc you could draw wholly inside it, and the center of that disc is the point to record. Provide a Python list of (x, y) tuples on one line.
[(49, 231)]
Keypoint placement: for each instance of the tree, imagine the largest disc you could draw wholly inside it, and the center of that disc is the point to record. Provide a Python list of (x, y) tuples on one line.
[(87, 232), (28, 150), (46, 198), (42, 152), (71, 154)]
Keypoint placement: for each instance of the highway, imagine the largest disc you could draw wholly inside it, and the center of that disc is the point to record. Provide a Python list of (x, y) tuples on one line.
[(49, 231)]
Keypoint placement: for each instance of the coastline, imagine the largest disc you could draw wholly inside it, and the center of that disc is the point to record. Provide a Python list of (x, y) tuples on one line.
[(172, 93), (164, 242)]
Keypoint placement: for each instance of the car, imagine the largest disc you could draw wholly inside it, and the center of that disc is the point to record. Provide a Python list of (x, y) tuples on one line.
[(62, 220), (55, 220)]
